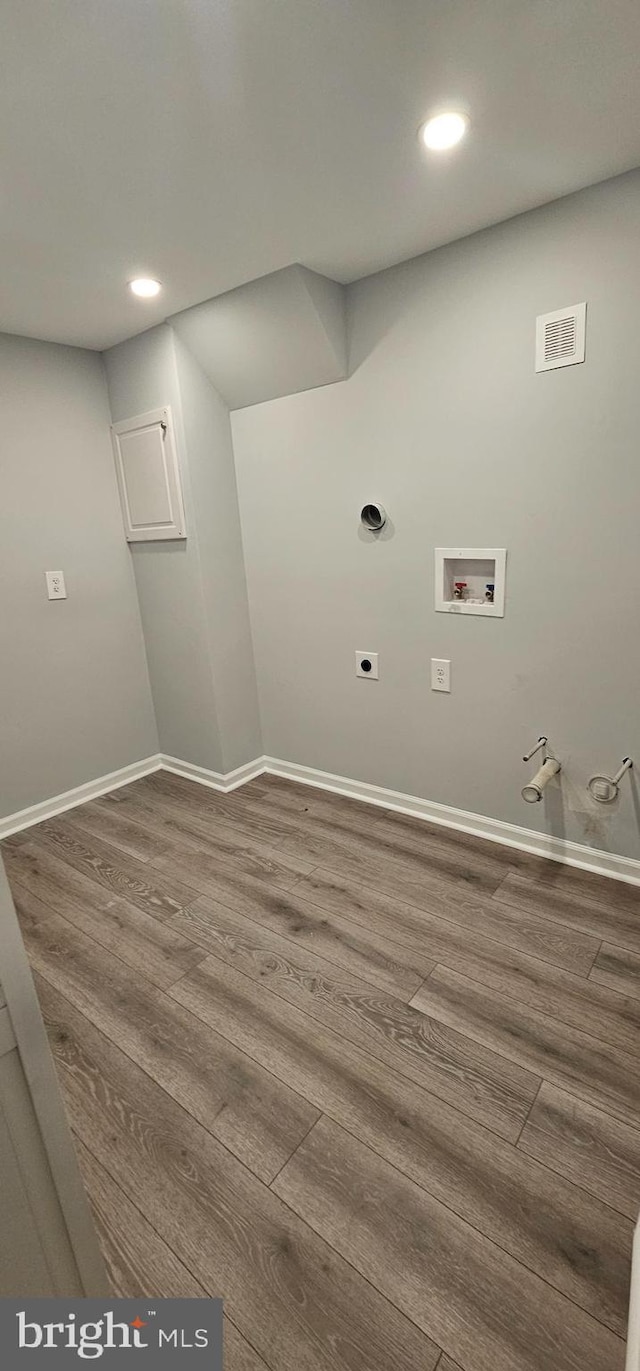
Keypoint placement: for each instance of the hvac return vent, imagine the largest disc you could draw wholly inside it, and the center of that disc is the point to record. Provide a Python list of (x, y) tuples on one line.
[(560, 337)]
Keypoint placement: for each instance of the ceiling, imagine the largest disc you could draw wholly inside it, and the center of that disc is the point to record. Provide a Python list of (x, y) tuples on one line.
[(208, 142)]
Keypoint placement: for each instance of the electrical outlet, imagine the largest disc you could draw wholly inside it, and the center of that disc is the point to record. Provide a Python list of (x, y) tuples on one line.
[(367, 665), (56, 589), (440, 674)]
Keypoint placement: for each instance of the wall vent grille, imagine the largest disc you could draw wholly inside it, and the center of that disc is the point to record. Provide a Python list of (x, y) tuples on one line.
[(560, 337)]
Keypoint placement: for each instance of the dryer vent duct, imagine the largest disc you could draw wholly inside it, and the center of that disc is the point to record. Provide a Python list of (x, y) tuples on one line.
[(373, 517)]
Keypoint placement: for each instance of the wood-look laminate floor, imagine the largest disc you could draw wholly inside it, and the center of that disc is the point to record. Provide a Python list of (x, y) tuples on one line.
[(374, 1082)]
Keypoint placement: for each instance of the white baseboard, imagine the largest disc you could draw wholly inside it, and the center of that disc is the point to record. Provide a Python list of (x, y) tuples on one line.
[(215, 780), (47, 809), (509, 835)]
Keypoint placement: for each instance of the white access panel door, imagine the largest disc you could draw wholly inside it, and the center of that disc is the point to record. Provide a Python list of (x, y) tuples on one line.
[(149, 477)]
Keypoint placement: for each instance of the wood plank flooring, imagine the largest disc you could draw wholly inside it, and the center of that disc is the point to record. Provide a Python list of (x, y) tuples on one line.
[(372, 1081)]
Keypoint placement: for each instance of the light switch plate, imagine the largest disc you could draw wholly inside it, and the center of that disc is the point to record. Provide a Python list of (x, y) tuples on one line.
[(56, 589), (440, 674)]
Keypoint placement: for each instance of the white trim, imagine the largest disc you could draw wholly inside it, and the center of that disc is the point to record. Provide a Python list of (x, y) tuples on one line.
[(216, 780), (46, 1099), (510, 835), (47, 809), (7, 1035), (633, 1333), (496, 830)]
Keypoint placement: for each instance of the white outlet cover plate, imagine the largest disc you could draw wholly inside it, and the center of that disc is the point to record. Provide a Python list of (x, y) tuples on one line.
[(56, 589), (440, 674), (368, 673)]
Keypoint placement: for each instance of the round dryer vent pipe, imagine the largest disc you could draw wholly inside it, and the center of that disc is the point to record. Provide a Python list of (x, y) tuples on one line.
[(373, 516)]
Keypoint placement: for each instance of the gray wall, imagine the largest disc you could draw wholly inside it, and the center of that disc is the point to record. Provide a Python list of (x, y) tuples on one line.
[(445, 422), (74, 689), (193, 597), (142, 375), (212, 479)]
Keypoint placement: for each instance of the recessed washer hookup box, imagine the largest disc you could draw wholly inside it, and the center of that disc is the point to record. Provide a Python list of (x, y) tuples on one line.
[(131, 1334)]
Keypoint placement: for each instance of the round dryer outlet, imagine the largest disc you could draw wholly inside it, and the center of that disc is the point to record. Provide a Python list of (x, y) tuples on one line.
[(367, 665)]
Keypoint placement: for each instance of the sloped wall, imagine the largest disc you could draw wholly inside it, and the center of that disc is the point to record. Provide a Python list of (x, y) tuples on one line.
[(283, 333)]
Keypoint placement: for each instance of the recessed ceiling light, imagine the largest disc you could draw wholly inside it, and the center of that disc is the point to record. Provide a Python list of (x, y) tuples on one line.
[(444, 131), (145, 287)]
